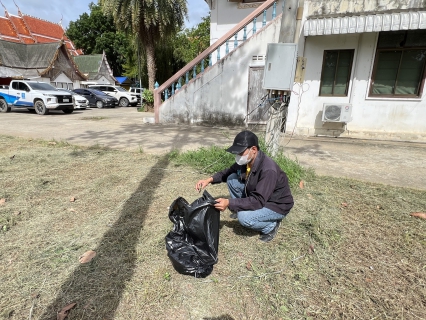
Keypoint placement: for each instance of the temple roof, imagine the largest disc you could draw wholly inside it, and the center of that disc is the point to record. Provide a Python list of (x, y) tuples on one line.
[(35, 59), (28, 29), (91, 65)]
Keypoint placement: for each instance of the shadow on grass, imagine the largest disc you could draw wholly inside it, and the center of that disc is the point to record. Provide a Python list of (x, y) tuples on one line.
[(222, 317), (97, 287), (238, 228)]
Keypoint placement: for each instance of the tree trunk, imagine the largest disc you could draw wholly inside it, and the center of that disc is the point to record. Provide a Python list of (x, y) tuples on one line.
[(150, 61)]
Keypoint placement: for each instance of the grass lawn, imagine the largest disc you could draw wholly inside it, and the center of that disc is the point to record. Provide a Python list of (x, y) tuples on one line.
[(348, 249)]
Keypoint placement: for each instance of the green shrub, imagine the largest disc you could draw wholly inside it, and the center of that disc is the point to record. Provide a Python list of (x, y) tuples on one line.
[(148, 100)]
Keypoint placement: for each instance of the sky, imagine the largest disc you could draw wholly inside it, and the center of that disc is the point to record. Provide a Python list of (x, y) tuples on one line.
[(70, 10)]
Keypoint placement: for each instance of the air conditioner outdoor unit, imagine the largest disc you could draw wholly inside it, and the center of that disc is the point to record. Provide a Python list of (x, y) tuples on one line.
[(335, 112)]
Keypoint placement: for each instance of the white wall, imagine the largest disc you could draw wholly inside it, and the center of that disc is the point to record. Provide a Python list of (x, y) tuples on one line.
[(220, 94), (225, 15), (387, 118)]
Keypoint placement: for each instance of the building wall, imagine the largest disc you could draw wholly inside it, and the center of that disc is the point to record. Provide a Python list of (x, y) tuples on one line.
[(225, 15), (387, 118), (219, 95)]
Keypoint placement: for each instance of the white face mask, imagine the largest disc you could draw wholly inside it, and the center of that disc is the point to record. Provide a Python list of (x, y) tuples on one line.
[(242, 160)]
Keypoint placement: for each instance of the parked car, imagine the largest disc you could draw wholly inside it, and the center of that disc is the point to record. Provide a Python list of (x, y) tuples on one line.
[(124, 97), (80, 102), (33, 95), (97, 98), (137, 92)]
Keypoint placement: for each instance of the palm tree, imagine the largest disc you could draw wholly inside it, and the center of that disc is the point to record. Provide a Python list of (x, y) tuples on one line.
[(151, 21)]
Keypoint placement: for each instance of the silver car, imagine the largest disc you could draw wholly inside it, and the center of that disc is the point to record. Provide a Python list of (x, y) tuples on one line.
[(80, 102)]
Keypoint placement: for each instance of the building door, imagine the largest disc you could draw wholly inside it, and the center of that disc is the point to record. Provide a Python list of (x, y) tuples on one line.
[(257, 105)]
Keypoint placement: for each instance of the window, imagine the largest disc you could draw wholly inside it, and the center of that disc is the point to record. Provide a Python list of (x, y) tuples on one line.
[(399, 66), (41, 86), (336, 72), (20, 86)]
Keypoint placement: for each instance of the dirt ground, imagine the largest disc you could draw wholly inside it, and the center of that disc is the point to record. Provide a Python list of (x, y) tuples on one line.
[(394, 163)]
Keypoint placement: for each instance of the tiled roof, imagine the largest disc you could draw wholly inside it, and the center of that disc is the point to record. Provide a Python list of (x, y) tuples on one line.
[(28, 29), (27, 40), (19, 24), (43, 39), (43, 27), (89, 63), (35, 59), (6, 28)]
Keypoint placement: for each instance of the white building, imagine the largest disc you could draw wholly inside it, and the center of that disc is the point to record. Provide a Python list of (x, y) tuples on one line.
[(369, 55)]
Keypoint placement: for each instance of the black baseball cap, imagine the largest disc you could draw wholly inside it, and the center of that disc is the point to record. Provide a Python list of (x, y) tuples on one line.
[(242, 141)]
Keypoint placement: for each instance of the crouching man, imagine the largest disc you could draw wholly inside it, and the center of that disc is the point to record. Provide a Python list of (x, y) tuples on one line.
[(259, 189)]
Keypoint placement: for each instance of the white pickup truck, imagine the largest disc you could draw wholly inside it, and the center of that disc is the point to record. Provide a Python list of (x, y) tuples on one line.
[(34, 95)]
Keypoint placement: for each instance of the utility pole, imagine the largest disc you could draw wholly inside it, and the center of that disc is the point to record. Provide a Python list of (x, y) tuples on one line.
[(278, 114)]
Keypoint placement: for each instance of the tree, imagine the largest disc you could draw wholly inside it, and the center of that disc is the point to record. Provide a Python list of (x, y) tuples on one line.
[(172, 54), (191, 42), (96, 33), (151, 21)]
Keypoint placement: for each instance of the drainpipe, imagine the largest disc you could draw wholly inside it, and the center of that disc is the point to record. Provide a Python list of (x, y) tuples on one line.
[(299, 16), (288, 22)]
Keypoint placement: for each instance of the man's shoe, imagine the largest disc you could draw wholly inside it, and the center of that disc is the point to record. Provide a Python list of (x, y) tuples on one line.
[(271, 235), (233, 215)]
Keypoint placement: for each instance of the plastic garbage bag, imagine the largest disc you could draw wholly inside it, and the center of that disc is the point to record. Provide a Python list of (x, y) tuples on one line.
[(192, 245)]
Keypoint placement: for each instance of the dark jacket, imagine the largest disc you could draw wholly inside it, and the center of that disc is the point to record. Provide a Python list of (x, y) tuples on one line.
[(266, 186)]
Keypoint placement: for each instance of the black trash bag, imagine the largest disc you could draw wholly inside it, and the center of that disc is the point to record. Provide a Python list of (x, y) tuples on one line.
[(192, 245)]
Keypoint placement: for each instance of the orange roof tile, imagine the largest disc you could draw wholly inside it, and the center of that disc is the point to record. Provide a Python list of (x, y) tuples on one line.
[(6, 28), (69, 45), (28, 29), (43, 27), (27, 40), (19, 24), (41, 39)]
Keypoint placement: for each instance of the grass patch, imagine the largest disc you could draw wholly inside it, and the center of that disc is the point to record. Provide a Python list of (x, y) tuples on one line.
[(94, 118), (209, 160), (347, 249)]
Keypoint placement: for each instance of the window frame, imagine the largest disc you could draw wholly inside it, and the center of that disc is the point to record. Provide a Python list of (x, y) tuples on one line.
[(348, 80), (420, 85)]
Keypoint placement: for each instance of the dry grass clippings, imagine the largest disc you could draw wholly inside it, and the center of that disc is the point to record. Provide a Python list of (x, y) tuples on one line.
[(347, 250)]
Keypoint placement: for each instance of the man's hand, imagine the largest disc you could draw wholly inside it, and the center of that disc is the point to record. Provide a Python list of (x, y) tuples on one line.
[(203, 183), (221, 204)]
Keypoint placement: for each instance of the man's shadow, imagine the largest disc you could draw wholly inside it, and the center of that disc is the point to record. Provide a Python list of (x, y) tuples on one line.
[(97, 287)]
